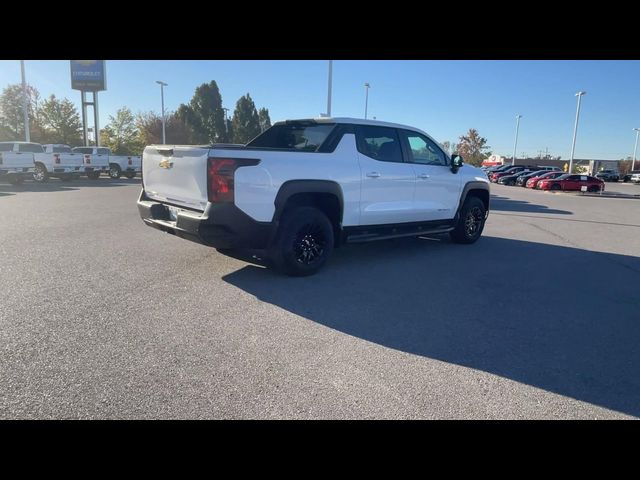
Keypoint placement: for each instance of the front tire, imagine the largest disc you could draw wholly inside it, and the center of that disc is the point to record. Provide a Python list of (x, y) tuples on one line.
[(115, 172), (303, 243), (40, 174), (471, 221)]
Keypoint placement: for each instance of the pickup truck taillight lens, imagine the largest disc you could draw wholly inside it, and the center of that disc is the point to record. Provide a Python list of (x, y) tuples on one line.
[(0, 159), (87, 159), (220, 173), (130, 161), (56, 157)]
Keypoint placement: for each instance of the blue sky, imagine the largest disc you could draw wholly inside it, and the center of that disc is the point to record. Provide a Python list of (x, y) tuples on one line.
[(444, 98)]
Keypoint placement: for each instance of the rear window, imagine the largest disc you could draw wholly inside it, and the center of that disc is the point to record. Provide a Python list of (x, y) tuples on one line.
[(61, 149), (293, 136), (6, 147), (83, 150), (30, 148), (104, 151)]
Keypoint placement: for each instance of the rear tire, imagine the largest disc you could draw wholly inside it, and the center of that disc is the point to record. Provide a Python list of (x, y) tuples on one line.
[(303, 243), (593, 188), (115, 172), (93, 175), (555, 186), (130, 175), (471, 221)]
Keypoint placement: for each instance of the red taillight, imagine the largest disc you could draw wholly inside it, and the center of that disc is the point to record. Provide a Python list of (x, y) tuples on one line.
[(87, 159), (220, 173), (56, 157), (130, 161)]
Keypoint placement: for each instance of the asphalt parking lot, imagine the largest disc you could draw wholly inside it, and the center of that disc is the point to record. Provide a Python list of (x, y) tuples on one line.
[(102, 317)]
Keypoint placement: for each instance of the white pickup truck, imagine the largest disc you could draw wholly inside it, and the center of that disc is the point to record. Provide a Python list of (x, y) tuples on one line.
[(16, 161), (100, 160), (55, 160), (303, 187)]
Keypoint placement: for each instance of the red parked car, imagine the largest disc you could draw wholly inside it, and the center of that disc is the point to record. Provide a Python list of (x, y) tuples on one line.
[(533, 181), (572, 182)]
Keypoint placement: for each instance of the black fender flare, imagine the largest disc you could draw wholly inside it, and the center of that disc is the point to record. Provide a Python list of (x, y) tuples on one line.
[(294, 187), (469, 186)]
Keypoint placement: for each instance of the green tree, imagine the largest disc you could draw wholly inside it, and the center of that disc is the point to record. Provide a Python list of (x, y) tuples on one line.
[(60, 121), (121, 134), (264, 119), (473, 147), (245, 123), (11, 114), (204, 114)]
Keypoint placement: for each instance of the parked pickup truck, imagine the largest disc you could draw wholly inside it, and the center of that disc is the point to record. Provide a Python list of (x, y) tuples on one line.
[(16, 161), (99, 160), (303, 187), (95, 161), (56, 160)]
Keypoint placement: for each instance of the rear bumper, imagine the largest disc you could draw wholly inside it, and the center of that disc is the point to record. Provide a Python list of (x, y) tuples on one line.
[(92, 168), (65, 169), (220, 225)]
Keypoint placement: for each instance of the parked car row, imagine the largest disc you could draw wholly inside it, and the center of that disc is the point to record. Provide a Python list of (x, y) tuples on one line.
[(544, 178), (20, 160)]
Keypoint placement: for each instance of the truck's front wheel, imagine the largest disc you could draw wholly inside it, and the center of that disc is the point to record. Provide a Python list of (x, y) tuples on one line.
[(40, 173), (471, 221), (304, 242)]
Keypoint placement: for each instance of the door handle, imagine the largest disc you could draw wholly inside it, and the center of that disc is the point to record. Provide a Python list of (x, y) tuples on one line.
[(423, 175), (373, 174)]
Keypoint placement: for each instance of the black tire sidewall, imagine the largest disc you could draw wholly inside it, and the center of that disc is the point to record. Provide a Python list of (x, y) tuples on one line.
[(459, 234), (117, 170), (282, 253)]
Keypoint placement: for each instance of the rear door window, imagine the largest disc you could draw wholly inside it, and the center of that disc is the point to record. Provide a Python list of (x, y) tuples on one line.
[(6, 147), (103, 151), (30, 148), (379, 143)]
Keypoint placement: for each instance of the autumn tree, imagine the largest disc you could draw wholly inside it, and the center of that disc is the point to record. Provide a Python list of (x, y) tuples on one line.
[(11, 113), (473, 147), (149, 125)]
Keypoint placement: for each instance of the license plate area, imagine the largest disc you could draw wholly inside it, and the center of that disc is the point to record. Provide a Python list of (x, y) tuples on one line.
[(173, 213)]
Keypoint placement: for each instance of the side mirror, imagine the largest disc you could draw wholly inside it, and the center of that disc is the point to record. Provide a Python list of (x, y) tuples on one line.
[(456, 162)]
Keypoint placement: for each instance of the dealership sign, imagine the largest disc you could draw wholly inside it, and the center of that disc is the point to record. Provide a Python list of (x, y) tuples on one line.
[(88, 75)]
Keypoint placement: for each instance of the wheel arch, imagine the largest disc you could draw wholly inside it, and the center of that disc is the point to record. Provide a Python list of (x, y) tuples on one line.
[(475, 189), (325, 195)]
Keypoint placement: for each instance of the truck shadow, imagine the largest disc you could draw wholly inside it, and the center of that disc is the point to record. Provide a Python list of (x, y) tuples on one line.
[(534, 313), (56, 185), (510, 205)]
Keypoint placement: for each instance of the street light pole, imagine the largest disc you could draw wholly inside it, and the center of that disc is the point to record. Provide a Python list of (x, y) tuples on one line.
[(366, 99), (635, 148), (515, 145), (25, 109), (329, 88), (162, 85), (575, 132)]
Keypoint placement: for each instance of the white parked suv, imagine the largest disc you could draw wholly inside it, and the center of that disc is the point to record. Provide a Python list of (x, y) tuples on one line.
[(304, 187)]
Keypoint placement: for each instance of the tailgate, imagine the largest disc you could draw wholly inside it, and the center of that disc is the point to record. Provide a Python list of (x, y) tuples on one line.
[(95, 160), (17, 159), (176, 174), (71, 159)]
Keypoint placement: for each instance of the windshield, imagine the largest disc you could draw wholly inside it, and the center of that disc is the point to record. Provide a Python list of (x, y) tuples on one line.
[(293, 136)]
